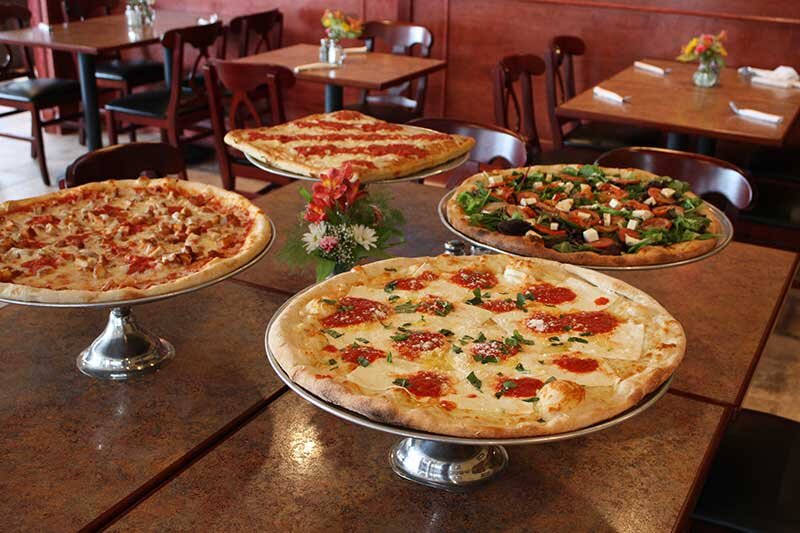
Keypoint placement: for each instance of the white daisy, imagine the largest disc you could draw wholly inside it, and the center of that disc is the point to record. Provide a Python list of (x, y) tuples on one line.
[(315, 234), (365, 236)]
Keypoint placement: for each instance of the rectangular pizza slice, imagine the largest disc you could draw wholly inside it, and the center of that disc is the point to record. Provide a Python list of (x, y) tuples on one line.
[(377, 150)]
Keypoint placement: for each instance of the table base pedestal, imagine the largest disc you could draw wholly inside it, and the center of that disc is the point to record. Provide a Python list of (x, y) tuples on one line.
[(124, 349), (442, 465)]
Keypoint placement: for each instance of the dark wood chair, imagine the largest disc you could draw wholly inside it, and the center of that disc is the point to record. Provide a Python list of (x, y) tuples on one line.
[(264, 29), (125, 161), (183, 103), (112, 72), (256, 92), (752, 484), (560, 61), (495, 147), (514, 108), (709, 177), (27, 93), (406, 101)]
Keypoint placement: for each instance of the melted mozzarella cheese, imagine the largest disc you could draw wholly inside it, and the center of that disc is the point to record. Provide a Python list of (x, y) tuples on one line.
[(625, 342)]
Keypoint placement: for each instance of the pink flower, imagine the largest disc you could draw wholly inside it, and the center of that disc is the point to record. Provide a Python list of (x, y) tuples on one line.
[(701, 48), (328, 243)]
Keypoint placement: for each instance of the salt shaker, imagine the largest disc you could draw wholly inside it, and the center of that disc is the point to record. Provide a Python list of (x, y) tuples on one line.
[(323, 50)]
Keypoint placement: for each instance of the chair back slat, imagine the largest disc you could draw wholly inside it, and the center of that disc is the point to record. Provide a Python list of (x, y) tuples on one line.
[(15, 17), (514, 86), (125, 161), (709, 177), (560, 79), (75, 10), (201, 38), (265, 28)]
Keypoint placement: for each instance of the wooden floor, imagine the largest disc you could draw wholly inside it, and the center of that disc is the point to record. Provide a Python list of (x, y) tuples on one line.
[(775, 387)]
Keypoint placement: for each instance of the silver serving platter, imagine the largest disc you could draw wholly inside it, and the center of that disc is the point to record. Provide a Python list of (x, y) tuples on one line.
[(722, 242), (125, 349), (422, 174), (444, 461)]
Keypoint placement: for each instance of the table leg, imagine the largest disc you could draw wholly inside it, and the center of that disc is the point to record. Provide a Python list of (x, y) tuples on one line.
[(91, 112), (677, 141), (333, 98), (706, 145)]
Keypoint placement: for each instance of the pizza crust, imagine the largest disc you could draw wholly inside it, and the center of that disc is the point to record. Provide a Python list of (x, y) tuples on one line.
[(648, 255), (257, 238), (398, 407)]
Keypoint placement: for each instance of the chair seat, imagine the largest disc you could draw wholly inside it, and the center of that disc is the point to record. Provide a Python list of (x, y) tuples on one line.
[(140, 72), (607, 137), (152, 104), (399, 114), (44, 92)]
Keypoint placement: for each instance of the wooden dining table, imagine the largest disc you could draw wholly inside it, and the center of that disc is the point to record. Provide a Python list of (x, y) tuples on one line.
[(372, 70), (214, 440), (96, 36), (673, 104)]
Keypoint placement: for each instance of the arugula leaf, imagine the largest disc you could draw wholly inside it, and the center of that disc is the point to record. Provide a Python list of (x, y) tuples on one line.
[(520, 301), (474, 381), (332, 333), (569, 171), (591, 171), (473, 201)]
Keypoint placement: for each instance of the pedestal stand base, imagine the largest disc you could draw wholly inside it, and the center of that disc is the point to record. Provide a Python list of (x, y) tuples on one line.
[(124, 350), (441, 465)]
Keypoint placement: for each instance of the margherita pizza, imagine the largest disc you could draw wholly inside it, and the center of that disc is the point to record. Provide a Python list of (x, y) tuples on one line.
[(585, 215), (478, 346), (375, 149), (119, 240)]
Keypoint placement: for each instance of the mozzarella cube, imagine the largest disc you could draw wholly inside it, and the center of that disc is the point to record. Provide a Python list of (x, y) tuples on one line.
[(514, 276), (527, 201), (564, 205), (538, 185), (650, 201), (583, 215), (630, 241), (644, 214), (494, 180), (606, 219), (568, 187), (554, 226), (614, 203), (590, 235), (667, 192), (632, 224)]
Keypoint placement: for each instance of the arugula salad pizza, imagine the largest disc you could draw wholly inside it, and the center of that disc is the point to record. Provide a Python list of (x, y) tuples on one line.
[(478, 346), (585, 215)]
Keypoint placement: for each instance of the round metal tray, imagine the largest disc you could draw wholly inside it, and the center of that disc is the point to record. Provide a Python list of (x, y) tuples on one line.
[(433, 171), (124, 349), (722, 242), (444, 461)]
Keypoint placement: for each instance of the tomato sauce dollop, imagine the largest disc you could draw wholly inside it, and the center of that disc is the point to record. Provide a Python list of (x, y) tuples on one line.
[(550, 294), (601, 301), (416, 283), (578, 365), (427, 383), (525, 387), (496, 349), (499, 306), (351, 354), (355, 311), (473, 279), (432, 305), (418, 343), (581, 321)]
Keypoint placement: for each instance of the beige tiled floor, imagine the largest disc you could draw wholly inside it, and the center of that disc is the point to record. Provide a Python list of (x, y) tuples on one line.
[(775, 387)]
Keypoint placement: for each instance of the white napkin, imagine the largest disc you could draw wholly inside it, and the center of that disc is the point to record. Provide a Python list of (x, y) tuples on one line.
[(314, 66), (356, 50), (772, 82), (605, 94), (781, 73), (756, 115), (211, 19), (649, 68)]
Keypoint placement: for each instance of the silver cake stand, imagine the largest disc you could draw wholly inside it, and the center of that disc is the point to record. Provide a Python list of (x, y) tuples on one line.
[(125, 349), (479, 247), (442, 461), (427, 173)]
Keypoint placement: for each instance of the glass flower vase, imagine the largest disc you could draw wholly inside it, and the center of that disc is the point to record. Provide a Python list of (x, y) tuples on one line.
[(707, 73)]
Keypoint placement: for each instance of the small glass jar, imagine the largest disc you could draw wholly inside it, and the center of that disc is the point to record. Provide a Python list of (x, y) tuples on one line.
[(132, 17), (335, 52), (707, 73)]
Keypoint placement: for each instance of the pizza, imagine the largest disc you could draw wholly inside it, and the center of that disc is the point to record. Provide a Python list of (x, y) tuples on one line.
[(376, 150), (121, 240), (478, 346), (585, 215)]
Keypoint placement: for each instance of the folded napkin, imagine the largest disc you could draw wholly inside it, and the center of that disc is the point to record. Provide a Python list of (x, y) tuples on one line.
[(605, 94), (641, 65), (773, 82), (781, 73), (756, 115), (314, 66), (356, 50), (210, 20)]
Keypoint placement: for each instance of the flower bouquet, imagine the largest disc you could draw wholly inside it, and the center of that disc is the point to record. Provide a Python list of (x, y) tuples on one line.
[(710, 52), (342, 224), (339, 26)]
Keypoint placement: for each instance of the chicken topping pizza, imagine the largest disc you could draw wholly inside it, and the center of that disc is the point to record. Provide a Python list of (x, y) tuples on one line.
[(119, 240), (376, 150), (478, 346)]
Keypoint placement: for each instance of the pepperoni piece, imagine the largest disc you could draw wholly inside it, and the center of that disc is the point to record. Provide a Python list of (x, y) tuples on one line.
[(497, 349), (499, 306), (589, 218), (414, 284), (578, 365), (432, 305), (522, 388), (427, 384), (420, 342), (504, 193), (664, 210), (622, 232), (655, 194), (547, 231), (356, 311), (603, 243), (547, 293), (353, 353), (610, 191), (601, 301), (580, 321), (473, 279), (657, 222)]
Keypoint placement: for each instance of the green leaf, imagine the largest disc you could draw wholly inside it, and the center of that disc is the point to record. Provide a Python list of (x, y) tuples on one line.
[(390, 269), (401, 382), (481, 337), (389, 357), (457, 349), (550, 380), (554, 339), (508, 385), (520, 301), (520, 367), (389, 287), (324, 269), (477, 299), (305, 194), (331, 361), (328, 301), (445, 332), (363, 361), (473, 379), (394, 298), (408, 307), (578, 339), (531, 400), (362, 340), (332, 333), (400, 337)]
